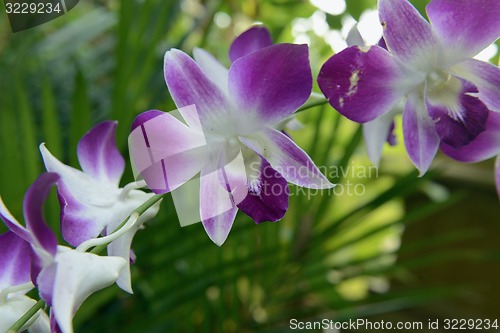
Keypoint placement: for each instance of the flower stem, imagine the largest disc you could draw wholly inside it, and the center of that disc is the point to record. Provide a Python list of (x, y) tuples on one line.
[(26, 317), (315, 100), (139, 211)]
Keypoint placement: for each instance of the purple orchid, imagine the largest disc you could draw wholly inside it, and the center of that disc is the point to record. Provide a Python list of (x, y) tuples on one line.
[(15, 282), (448, 94), (65, 277), (225, 129), (92, 201), (485, 146)]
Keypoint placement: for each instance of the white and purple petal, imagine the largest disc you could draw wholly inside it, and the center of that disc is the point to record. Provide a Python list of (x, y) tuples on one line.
[(408, 35), (252, 40), (485, 76), (271, 83), (485, 146), (465, 27), (363, 83), (377, 132), (166, 151), (13, 225), (189, 85), (45, 282), (459, 117), (421, 139), (287, 158), (267, 198), (354, 37), (144, 117), (217, 207), (54, 327), (85, 188), (79, 221), (98, 154), (212, 68)]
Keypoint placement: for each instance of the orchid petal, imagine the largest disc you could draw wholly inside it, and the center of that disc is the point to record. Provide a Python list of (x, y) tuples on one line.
[(421, 139), (85, 203), (79, 275), (121, 246), (54, 326), (287, 158), (270, 84), (252, 40), (354, 37), (214, 70), (83, 187), (165, 147), (465, 27), (376, 133), (98, 154), (188, 84), (33, 211), (485, 146), (15, 257), (217, 207), (459, 117), (407, 34), (267, 199), (144, 117), (79, 221), (485, 76), (45, 282), (13, 225), (362, 84)]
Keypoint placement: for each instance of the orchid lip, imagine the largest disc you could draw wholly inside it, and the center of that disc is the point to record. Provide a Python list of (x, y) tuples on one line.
[(438, 78)]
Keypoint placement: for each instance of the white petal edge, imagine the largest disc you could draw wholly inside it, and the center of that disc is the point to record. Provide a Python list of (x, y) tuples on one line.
[(78, 276), (215, 71)]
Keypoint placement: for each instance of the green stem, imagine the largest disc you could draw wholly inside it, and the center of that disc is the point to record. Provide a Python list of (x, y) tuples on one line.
[(313, 101), (27, 316), (139, 210)]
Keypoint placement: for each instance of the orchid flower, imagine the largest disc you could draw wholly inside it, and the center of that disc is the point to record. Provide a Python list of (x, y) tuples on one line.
[(485, 146), (65, 277), (448, 94), (379, 130), (92, 202), (225, 129), (15, 282)]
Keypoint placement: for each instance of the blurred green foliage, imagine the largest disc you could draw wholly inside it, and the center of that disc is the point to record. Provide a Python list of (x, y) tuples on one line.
[(332, 256)]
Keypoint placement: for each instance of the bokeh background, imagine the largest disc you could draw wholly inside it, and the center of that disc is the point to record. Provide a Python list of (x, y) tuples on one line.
[(399, 248)]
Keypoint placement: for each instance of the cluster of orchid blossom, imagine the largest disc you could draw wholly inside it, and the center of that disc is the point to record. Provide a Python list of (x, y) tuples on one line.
[(95, 214), (425, 71), (228, 134)]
